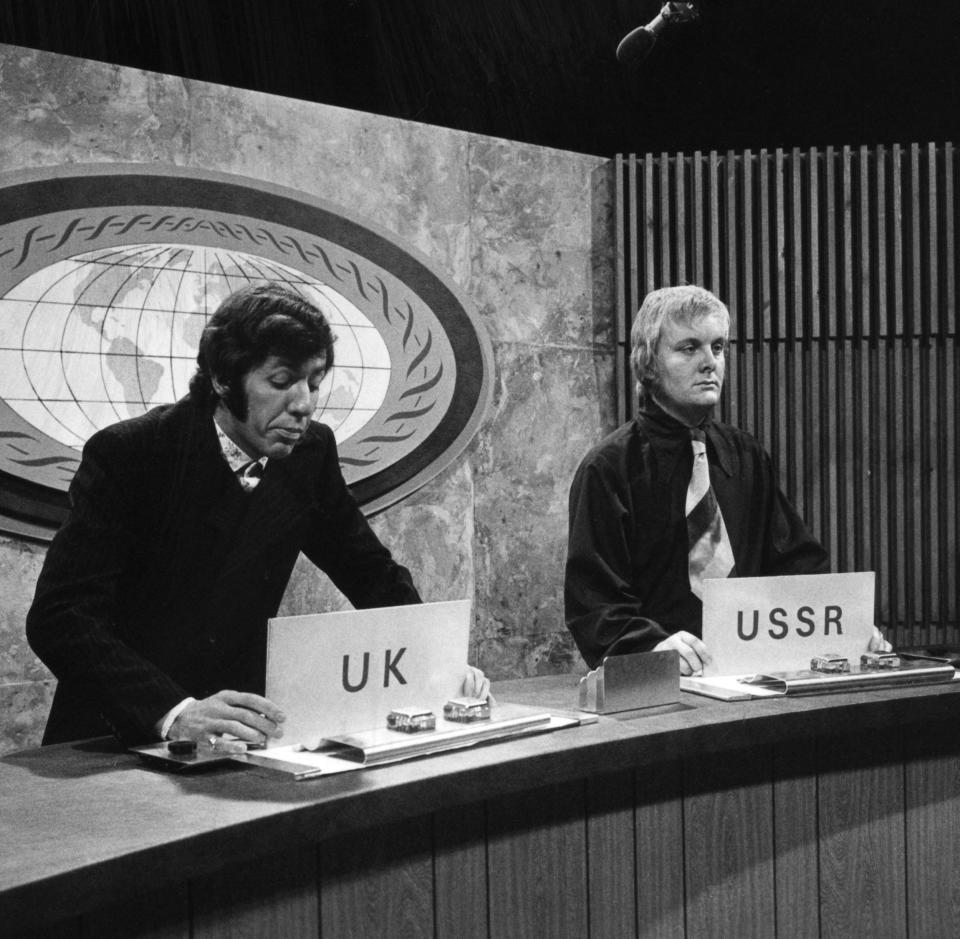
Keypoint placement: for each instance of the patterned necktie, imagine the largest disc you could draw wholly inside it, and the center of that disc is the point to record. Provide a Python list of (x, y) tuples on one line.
[(710, 553), (249, 475)]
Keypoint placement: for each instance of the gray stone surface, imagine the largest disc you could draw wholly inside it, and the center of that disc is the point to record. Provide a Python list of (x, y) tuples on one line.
[(20, 563), (23, 708)]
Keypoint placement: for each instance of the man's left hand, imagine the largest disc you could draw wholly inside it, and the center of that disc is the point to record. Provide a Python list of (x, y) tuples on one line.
[(878, 643), (476, 685)]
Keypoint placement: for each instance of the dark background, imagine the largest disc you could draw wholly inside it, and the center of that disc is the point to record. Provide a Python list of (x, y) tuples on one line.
[(749, 73)]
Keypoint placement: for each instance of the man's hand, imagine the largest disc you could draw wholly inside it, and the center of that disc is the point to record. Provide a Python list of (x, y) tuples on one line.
[(693, 653), (878, 643), (476, 685), (247, 717)]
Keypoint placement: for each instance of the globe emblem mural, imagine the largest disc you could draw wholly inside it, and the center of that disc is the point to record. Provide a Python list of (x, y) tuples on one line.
[(109, 273), (108, 334)]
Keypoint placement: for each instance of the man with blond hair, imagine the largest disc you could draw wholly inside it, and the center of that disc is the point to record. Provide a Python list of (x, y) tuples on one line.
[(674, 497)]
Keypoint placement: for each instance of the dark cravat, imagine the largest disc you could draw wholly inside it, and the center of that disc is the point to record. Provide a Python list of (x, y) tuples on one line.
[(710, 553)]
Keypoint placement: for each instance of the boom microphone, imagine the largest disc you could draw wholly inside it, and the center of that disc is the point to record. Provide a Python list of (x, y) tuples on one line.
[(636, 45)]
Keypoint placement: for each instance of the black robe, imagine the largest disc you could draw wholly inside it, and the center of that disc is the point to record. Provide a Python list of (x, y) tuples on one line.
[(627, 583)]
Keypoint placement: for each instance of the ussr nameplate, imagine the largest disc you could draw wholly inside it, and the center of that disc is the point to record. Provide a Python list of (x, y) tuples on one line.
[(632, 681), (753, 625)]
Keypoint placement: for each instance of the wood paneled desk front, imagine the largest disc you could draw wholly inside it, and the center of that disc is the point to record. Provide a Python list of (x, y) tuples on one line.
[(832, 816)]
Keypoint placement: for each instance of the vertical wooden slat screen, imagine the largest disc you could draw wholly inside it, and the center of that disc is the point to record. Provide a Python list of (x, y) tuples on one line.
[(838, 267)]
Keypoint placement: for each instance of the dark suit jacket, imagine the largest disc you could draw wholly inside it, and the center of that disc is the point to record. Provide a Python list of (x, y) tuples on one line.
[(160, 583)]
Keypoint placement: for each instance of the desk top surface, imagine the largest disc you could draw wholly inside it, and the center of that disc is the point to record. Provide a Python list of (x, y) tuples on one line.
[(76, 815)]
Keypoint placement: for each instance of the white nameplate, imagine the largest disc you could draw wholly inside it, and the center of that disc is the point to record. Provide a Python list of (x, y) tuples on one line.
[(340, 673), (756, 624)]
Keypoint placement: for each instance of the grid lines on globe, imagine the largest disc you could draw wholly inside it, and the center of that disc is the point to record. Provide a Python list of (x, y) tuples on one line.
[(107, 334)]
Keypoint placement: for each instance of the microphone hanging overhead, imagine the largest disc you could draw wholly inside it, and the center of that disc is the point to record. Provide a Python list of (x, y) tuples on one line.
[(636, 45)]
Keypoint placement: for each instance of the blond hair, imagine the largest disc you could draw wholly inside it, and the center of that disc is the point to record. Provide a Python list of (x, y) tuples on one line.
[(686, 304)]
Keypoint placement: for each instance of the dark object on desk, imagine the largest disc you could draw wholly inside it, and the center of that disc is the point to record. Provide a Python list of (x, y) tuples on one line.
[(949, 654), (162, 756), (181, 747)]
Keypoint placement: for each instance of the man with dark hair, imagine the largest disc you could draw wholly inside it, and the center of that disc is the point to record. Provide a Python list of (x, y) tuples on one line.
[(673, 497), (263, 317), (185, 524)]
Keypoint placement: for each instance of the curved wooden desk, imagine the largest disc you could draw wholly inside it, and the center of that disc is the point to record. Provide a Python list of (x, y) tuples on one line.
[(826, 816)]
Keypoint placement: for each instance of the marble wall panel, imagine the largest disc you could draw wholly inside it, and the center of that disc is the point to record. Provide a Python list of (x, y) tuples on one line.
[(599, 329), (547, 417), (532, 255), (395, 174), (20, 563), (59, 109), (524, 231), (23, 713)]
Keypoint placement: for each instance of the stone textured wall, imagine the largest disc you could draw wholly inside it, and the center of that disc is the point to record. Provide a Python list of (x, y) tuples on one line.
[(524, 231)]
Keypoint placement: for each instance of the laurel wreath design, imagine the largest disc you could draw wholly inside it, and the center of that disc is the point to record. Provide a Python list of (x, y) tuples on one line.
[(415, 398)]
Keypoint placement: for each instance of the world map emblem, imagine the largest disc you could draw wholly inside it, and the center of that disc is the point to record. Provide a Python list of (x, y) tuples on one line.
[(108, 274)]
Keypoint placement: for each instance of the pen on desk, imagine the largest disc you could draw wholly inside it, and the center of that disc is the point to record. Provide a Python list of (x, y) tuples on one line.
[(309, 774)]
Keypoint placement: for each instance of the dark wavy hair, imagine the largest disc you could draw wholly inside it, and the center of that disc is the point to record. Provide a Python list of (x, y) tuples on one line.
[(256, 322)]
